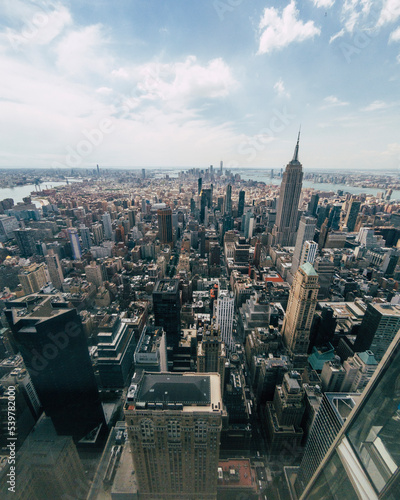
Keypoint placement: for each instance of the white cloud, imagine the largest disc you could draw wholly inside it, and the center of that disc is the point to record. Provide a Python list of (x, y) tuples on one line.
[(178, 83), (332, 101), (279, 31), (390, 12), (339, 34), (326, 4), (279, 88), (38, 26), (395, 35), (84, 51), (376, 105)]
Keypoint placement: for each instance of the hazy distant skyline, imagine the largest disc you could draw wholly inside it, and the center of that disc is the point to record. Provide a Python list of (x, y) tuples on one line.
[(152, 84)]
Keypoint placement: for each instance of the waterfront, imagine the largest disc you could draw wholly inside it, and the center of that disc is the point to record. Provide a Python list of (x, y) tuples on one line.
[(18, 193)]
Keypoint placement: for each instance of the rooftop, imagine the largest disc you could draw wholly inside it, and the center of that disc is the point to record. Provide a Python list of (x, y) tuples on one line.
[(308, 269)]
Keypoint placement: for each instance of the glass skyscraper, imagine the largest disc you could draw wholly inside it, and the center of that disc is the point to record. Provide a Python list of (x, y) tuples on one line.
[(364, 461)]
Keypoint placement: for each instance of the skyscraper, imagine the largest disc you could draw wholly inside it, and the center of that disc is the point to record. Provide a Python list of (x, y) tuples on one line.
[(224, 318), (53, 345), (288, 204), (300, 311), (107, 226), (165, 225), (305, 232), (364, 460), (249, 224), (85, 237), (55, 269), (228, 200), (241, 202), (199, 185), (332, 414), (98, 234), (26, 241), (211, 353), (167, 309), (75, 245), (313, 204), (352, 214), (380, 324), (174, 426)]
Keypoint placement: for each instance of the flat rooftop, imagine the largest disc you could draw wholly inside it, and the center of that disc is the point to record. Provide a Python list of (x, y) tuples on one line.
[(176, 391), (169, 388)]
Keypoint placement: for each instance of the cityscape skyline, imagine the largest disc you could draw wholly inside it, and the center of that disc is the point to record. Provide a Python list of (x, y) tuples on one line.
[(107, 84)]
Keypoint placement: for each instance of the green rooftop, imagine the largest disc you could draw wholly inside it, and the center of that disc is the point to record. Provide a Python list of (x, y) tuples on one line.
[(308, 269)]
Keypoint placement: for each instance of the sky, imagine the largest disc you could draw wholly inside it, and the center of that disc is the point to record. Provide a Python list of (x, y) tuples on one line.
[(180, 83)]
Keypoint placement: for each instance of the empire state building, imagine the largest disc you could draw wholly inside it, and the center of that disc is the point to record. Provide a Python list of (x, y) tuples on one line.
[(285, 227)]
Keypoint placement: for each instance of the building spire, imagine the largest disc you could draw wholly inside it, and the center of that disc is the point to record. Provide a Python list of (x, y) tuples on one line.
[(296, 149)]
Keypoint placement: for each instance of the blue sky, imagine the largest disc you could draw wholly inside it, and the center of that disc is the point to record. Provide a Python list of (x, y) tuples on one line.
[(147, 83)]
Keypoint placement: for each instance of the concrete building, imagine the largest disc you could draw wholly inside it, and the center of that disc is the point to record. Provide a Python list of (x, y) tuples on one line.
[(380, 324), (174, 424), (304, 233), (300, 311), (285, 227), (225, 308), (55, 270), (33, 278)]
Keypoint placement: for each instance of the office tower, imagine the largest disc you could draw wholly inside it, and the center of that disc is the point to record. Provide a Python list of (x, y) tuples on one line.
[(143, 173), (165, 225), (131, 218), (352, 214), (358, 371), (174, 425), (85, 237), (228, 200), (300, 311), (199, 185), (75, 245), (332, 414), (363, 462), (224, 318), (202, 240), (283, 416), (309, 252), (211, 354), (304, 233), (334, 217), (94, 274), (241, 251), (313, 204), (332, 375), (241, 202), (26, 241), (53, 345), (379, 326), (288, 204), (98, 236), (115, 350), (151, 350), (8, 224), (205, 202), (325, 270), (390, 262), (33, 278), (167, 309), (55, 269), (323, 327), (48, 467), (120, 234), (249, 224), (221, 166), (107, 226), (257, 253)]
